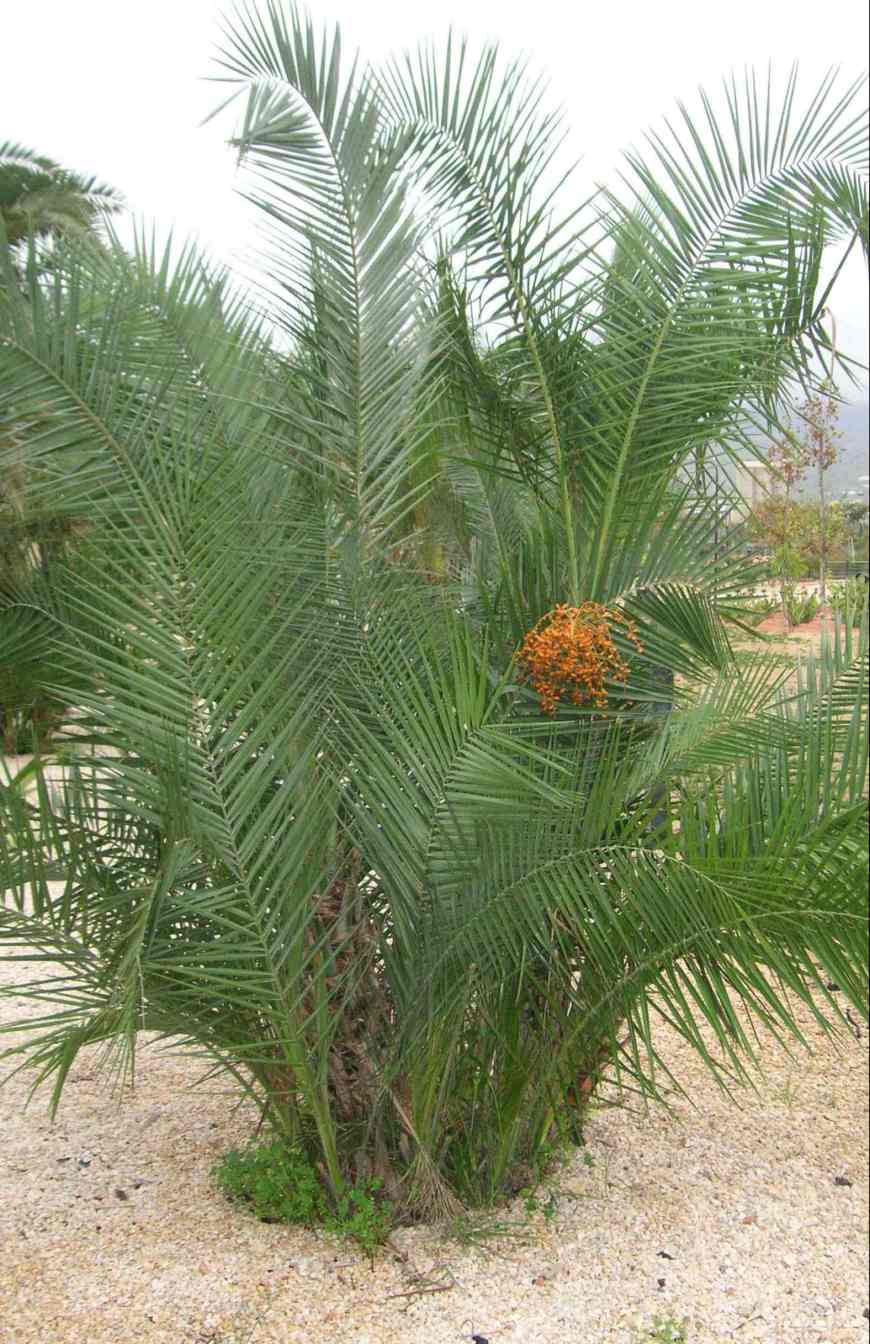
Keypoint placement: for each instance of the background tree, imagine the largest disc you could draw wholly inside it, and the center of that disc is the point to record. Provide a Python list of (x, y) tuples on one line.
[(795, 524), (42, 200), (41, 205), (776, 520), (789, 459), (821, 440), (856, 522)]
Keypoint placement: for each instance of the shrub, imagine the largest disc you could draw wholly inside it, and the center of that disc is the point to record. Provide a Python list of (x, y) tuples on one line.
[(849, 599), (760, 608), (800, 607), (666, 1330)]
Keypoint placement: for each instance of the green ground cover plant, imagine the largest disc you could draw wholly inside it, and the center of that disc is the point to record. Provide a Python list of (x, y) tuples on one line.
[(279, 1185)]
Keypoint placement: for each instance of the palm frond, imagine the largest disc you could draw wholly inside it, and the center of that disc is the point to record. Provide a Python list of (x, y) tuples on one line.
[(343, 241)]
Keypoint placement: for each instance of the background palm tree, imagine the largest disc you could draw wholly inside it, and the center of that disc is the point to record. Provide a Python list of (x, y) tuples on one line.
[(331, 841), (41, 199), (41, 203)]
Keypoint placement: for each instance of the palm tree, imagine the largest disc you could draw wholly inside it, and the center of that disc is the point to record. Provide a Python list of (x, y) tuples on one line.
[(331, 840), (40, 199), (40, 204)]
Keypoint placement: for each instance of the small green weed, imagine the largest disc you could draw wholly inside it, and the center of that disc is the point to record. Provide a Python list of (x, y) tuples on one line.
[(534, 1203), (277, 1182), (279, 1185), (786, 1093), (477, 1229), (361, 1215), (665, 1330)]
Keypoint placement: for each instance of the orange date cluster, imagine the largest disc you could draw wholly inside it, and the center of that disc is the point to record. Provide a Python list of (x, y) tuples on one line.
[(571, 652)]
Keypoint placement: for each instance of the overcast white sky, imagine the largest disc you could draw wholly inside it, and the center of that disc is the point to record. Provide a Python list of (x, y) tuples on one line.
[(118, 87)]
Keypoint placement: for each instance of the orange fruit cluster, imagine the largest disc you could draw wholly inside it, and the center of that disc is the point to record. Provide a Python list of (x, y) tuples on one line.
[(571, 651)]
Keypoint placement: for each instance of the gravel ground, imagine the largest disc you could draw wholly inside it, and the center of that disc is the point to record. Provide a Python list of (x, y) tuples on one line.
[(747, 1221)]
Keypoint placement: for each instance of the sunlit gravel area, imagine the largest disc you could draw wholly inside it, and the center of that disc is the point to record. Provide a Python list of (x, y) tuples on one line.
[(745, 1222)]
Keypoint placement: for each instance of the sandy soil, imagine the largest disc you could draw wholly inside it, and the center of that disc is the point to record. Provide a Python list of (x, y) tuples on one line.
[(748, 1221)]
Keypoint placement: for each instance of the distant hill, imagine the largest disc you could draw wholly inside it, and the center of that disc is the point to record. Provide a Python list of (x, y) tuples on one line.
[(854, 423)]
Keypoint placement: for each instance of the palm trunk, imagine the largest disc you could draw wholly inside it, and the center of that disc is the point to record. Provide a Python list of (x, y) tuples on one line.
[(786, 550), (10, 731), (823, 549)]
